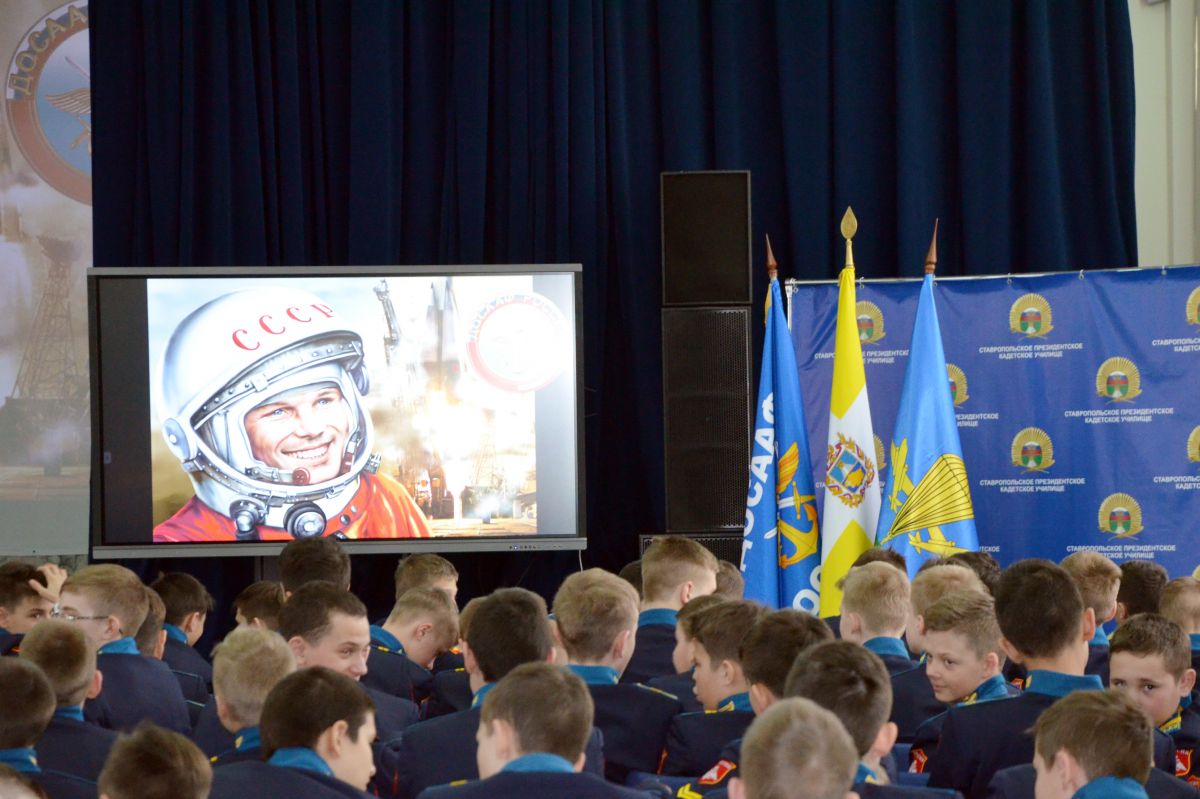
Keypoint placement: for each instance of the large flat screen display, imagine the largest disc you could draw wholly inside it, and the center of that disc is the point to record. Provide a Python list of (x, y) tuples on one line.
[(397, 408)]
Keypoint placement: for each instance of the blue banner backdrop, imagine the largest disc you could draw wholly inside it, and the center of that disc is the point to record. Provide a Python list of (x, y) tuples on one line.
[(1077, 397)]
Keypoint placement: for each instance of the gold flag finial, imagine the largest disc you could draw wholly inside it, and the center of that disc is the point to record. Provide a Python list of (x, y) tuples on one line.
[(772, 264), (849, 228), (931, 257)]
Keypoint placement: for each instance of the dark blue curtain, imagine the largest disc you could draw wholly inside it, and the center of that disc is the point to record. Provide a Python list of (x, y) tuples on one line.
[(376, 132)]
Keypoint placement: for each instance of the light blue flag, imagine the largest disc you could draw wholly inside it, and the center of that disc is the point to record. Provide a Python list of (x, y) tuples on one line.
[(927, 508), (781, 550)]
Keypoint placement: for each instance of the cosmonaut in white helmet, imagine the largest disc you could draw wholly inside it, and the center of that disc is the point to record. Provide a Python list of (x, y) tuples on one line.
[(263, 391)]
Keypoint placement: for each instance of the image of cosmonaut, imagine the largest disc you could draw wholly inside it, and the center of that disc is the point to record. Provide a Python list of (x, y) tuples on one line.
[(263, 391)]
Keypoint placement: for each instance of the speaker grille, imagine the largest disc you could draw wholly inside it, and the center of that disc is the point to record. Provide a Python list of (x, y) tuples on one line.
[(706, 238), (706, 387), (725, 546)]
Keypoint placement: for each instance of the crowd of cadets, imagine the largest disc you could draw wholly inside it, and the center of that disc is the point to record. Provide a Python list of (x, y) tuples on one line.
[(661, 681)]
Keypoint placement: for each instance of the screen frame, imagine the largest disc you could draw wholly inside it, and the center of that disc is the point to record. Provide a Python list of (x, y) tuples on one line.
[(526, 543)]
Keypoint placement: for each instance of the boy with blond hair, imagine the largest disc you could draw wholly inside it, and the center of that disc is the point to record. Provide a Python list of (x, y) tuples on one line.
[(246, 666), (422, 625), (1180, 603), (674, 570), (875, 607), (426, 570), (1098, 580)]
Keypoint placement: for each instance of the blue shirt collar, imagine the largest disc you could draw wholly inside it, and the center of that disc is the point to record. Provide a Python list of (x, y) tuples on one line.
[(247, 738), (1195, 639), (22, 760), (300, 757), (74, 712), (885, 645), (1111, 788), (121, 646), (993, 687), (175, 633), (1055, 683), (657, 616), (477, 700), (596, 675), (736, 702), (865, 774), (1100, 638), (540, 761), (383, 638)]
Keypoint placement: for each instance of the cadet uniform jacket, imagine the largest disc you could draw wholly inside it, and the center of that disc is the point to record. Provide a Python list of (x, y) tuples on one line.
[(73, 746), (451, 693), (680, 687), (1016, 782), (913, 702), (928, 734), (539, 775), (269, 781), (1184, 729), (654, 647), (390, 670), (184, 658), (136, 688), (695, 740)]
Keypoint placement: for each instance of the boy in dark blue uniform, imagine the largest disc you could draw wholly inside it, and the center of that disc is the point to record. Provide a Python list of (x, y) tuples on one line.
[(246, 666), (307, 560), (109, 603), (1046, 627), (153, 763), (403, 671), (187, 603), (1180, 602), (1098, 580), (679, 684), (674, 569), (422, 625), (317, 727), (151, 640), (258, 605), (69, 744), (695, 740), (595, 621), (533, 729), (451, 688), (25, 599)]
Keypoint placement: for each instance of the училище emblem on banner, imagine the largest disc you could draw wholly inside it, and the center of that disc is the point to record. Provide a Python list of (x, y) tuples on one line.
[(1032, 450), (1118, 380), (1120, 516), (48, 97), (958, 384), (848, 472), (1030, 316), (1193, 308), (1193, 445), (870, 322)]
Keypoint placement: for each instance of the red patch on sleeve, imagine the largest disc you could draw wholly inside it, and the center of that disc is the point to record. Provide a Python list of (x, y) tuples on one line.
[(718, 773), (919, 759)]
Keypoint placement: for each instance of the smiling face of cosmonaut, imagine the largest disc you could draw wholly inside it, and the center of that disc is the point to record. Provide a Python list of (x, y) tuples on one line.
[(304, 429)]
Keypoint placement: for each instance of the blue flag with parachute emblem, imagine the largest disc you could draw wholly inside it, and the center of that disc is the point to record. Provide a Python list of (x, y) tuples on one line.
[(926, 509), (781, 550)]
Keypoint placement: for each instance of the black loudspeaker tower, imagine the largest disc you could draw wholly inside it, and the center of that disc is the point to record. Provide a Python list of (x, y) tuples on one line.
[(706, 350)]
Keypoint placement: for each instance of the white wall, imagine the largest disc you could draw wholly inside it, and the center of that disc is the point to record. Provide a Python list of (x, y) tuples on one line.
[(1165, 172)]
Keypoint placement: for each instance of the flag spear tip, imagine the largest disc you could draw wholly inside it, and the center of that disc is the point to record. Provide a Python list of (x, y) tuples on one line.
[(931, 257), (772, 264), (849, 229)]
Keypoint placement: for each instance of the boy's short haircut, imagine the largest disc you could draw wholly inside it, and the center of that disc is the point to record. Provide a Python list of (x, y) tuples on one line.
[(307, 702), (246, 666), (971, 614), (685, 620), (113, 591), (434, 604), (422, 571), (772, 645), (935, 582), (881, 554), (986, 567), (263, 601), (1148, 634), (1180, 602), (550, 709), (307, 559), (669, 562), (1039, 607), (1142, 583), (60, 649), (1096, 577), (591, 609), (1103, 730), (466, 614), (14, 583), (730, 582), (632, 574), (15, 785), (878, 592), (935, 560), (849, 680), (153, 763), (796, 742), (148, 634), (508, 628), (722, 628), (307, 612), (29, 703), (183, 595)]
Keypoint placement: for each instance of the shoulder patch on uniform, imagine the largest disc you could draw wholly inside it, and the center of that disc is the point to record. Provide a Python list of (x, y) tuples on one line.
[(657, 691), (1183, 762), (718, 773), (919, 759)]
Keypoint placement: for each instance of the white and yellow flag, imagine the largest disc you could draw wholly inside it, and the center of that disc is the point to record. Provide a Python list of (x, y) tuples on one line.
[(851, 506)]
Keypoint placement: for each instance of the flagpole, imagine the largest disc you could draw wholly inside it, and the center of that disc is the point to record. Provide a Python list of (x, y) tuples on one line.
[(931, 256)]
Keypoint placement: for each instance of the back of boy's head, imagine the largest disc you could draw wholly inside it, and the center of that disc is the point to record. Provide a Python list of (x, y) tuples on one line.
[(466, 614), (307, 559), (433, 604), (772, 645), (549, 708), (1039, 608), (881, 555), (113, 591), (147, 636), (263, 601), (721, 628), (986, 567), (246, 666), (632, 574), (509, 627), (183, 595), (306, 703), (797, 746), (1096, 576), (935, 582), (591, 609), (1103, 730), (879, 593), (685, 620), (849, 680), (1180, 602), (422, 570), (1142, 583), (153, 763), (971, 614), (730, 582), (308, 611), (14, 583), (61, 651), (29, 703), (1149, 634), (15, 785), (669, 562)]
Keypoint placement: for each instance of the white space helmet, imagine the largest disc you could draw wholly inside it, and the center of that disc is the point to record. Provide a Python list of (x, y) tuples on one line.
[(230, 356)]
